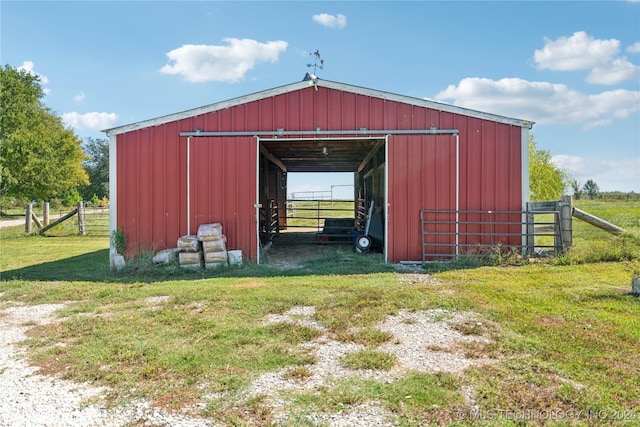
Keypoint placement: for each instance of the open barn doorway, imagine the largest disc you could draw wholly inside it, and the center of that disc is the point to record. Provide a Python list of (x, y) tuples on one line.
[(321, 193)]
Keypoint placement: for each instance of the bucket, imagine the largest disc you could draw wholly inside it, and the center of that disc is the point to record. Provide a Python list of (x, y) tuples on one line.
[(235, 257)]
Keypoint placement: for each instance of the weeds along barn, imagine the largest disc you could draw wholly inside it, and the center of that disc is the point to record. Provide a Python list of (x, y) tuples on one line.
[(432, 171)]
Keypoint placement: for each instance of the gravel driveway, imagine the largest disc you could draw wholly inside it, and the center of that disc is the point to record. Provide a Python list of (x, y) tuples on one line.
[(32, 400)]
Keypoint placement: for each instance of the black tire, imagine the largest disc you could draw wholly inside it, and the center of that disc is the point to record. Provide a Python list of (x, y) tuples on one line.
[(363, 243)]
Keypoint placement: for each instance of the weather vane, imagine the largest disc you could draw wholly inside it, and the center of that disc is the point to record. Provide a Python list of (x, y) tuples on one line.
[(318, 63)]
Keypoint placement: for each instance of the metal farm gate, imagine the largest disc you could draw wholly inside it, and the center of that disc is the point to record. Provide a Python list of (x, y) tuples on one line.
[(538, 229), (332, 220)]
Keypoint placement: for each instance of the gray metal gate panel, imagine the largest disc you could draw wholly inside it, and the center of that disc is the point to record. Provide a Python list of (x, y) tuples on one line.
[(448, 234)]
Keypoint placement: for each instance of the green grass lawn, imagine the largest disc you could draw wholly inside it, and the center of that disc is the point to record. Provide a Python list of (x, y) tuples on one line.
[(566, 331)]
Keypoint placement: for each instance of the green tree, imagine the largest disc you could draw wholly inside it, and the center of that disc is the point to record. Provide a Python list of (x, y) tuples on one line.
[(39, 157), (575, 186), (94, 201), (546, 181), (97, 167), (71, 197), (591, 188)]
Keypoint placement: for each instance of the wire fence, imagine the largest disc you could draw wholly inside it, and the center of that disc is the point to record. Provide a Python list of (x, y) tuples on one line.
[(96, 221)]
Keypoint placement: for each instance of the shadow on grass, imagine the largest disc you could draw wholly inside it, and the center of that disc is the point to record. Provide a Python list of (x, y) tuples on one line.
[(612, 296), (92, 266), (336, 264)]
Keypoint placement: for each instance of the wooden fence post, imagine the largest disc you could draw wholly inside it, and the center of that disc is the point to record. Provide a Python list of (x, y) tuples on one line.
[(81, 229), (566, 222), (45, 214), (597, 222), (35, 219), (28, 225)]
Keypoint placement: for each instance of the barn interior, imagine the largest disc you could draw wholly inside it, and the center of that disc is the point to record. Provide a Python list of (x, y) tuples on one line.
[(321, 220)]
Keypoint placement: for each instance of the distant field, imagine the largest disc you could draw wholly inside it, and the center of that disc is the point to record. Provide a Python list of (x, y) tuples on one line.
[(312, 213), (625, 214)]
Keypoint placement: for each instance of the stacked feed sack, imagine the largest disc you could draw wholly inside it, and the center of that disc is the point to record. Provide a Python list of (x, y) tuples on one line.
[(166, 256), (214, 245), (190, 252)]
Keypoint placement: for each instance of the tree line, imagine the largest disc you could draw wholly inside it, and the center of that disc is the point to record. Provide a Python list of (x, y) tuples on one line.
[(40, 158)]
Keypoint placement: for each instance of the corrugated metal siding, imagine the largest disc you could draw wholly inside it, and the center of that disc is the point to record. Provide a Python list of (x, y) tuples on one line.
[(152, 188), (422, 176), (152, 166), (223, 183)]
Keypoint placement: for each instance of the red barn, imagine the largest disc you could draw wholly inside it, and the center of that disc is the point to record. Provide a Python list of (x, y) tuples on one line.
[(443, 178)]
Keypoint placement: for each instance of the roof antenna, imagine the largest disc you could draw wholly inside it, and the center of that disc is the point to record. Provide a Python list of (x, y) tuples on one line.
[(318, 63)]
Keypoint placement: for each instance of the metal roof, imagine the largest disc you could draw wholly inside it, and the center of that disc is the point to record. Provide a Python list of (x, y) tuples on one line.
[(318, 83)]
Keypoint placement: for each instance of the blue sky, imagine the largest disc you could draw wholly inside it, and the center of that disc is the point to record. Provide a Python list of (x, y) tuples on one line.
[(572, 67)]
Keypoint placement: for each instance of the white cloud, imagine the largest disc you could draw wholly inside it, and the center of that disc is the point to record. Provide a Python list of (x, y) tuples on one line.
[(611, 174), (93, 120), (583, 52), (80, 97), (28, 67), (614, 72), (331, 21), (618, 103), (542, 102), (230, 63), (634, 48), (578, 52)]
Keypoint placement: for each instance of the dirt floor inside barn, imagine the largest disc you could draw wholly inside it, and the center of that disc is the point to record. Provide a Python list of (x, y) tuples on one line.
[(292, 249)]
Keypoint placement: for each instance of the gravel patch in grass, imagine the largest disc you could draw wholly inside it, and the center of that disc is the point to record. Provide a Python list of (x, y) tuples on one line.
[(414, 334), (299, 315), (366, 414), (29, 399), (417, 334), (157, 300)]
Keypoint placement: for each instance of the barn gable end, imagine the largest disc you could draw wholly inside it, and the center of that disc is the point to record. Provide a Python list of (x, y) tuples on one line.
[(437, 156)]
